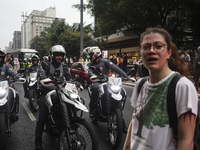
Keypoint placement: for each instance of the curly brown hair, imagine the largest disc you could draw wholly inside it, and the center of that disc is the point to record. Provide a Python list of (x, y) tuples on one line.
[(176, 63)]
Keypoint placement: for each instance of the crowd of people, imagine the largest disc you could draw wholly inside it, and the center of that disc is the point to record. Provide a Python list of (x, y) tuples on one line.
[(162, 61)]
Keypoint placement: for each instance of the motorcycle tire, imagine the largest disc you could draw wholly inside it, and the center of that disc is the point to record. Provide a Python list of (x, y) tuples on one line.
[(3, 128), (115, 131), (82, 136), (33, 97)]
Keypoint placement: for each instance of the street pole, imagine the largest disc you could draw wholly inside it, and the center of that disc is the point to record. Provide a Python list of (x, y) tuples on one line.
[(81, 29)]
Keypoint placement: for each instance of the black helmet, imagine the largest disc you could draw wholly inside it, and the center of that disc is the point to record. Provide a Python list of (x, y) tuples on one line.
[(35, 57), (2, 55)]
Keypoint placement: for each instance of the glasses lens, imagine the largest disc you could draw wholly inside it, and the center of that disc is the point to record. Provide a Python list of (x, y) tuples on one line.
[(159, 46), (146, 46)]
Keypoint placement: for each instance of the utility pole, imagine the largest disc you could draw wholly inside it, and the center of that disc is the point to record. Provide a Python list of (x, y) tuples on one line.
[(81, 29)]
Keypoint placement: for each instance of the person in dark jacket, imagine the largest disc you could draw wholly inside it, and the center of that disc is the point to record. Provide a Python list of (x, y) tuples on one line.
[(57, 54), (103, 66), (125, 62), (34, 68), (114, 59)]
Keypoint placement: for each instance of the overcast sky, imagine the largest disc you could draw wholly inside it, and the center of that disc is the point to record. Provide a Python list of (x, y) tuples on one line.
[(11, 11)]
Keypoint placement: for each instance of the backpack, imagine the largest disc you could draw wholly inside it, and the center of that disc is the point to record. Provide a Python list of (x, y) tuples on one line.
[(171, 109)]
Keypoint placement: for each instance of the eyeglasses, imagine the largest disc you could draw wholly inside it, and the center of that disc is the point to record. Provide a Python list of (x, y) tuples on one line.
[(157, 46)]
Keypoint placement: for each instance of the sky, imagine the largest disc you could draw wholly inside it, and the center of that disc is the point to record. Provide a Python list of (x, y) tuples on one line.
[(11, 11)]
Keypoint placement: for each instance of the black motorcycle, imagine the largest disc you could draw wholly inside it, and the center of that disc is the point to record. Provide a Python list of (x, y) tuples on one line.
[(64, 118)]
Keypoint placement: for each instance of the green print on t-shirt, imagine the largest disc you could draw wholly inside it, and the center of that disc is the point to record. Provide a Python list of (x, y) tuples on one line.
[(154, 113)]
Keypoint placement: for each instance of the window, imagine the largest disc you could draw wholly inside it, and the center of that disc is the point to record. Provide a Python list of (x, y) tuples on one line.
[(80, 67)]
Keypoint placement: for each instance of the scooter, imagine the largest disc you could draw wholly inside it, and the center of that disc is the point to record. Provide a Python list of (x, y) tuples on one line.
[(64, 121)]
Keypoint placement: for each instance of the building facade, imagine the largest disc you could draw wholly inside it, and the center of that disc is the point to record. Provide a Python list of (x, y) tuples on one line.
[(35, 23)]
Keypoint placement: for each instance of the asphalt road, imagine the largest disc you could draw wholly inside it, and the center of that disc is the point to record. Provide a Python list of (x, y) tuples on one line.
[(22, 137)]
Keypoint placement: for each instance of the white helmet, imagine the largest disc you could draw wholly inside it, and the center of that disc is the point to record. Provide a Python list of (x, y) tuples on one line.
[(94, 52), (57, 50)]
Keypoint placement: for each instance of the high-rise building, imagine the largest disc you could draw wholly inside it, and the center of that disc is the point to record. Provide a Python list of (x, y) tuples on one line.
[(16, 40), (35, 23)]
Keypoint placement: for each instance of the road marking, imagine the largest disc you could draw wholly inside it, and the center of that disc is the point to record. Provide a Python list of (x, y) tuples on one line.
[(31, 116)]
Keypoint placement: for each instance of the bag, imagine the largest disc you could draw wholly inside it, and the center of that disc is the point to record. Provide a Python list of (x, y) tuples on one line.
[(171, 109)]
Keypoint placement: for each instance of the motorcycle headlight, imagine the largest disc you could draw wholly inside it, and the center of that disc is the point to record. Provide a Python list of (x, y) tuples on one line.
[(115, 88), (2, 93), (73, 96)]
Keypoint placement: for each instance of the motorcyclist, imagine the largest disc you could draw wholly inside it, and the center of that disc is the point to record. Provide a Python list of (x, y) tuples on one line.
[(24, 65), (5, 72), (57, 54), (103, 66), (29, 64), (34, 68)]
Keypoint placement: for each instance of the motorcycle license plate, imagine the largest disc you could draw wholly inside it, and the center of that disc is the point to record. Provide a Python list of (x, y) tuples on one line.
[(114, 81)]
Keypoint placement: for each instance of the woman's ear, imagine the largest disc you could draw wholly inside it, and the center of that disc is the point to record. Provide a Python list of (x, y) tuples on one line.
[(169, 53)]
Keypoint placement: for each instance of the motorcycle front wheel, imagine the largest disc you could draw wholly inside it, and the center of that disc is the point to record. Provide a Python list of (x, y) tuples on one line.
[(33, 97), (115, 128), (82, 137)]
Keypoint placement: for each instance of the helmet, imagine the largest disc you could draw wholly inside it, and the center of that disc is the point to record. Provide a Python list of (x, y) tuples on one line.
[(57, 49), (25, 59), (2, 55), (35, 57), (45, 58), (93, 52)]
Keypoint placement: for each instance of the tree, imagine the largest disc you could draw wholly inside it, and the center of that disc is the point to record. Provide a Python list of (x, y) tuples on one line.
[(136, 15)]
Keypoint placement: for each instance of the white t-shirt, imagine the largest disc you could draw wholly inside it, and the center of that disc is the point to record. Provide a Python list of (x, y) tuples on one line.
[(150, 130)]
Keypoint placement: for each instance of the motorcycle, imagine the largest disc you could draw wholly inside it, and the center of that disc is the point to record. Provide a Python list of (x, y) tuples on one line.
[(110, 110), (64, 122), (33, 87), (9, 107)]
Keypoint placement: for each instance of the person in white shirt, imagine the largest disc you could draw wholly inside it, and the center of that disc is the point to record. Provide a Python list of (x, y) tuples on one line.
[(149, 128)]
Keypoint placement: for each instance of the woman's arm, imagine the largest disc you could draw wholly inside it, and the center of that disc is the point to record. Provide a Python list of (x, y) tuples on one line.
[(186, 127), (127, 143)]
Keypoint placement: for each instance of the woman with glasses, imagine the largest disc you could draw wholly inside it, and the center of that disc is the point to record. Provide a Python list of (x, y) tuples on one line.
[(149, 128)]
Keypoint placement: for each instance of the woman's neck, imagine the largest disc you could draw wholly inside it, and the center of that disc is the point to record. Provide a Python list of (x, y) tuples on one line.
[(155, 77)]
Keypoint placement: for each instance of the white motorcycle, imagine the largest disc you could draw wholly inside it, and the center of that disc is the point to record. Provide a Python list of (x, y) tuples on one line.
[(9, 107), (33, 87), (109, 108), (64, 118)]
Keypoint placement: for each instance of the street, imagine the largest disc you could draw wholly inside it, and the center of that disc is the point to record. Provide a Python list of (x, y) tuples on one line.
[(23, 131)]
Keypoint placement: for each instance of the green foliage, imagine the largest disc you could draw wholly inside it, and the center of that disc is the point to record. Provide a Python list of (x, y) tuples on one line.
[(136, 15), (61, 34)]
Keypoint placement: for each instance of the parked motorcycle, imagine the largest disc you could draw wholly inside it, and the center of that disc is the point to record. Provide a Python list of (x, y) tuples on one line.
[(110, 110), (64, 120), (8, 107)]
